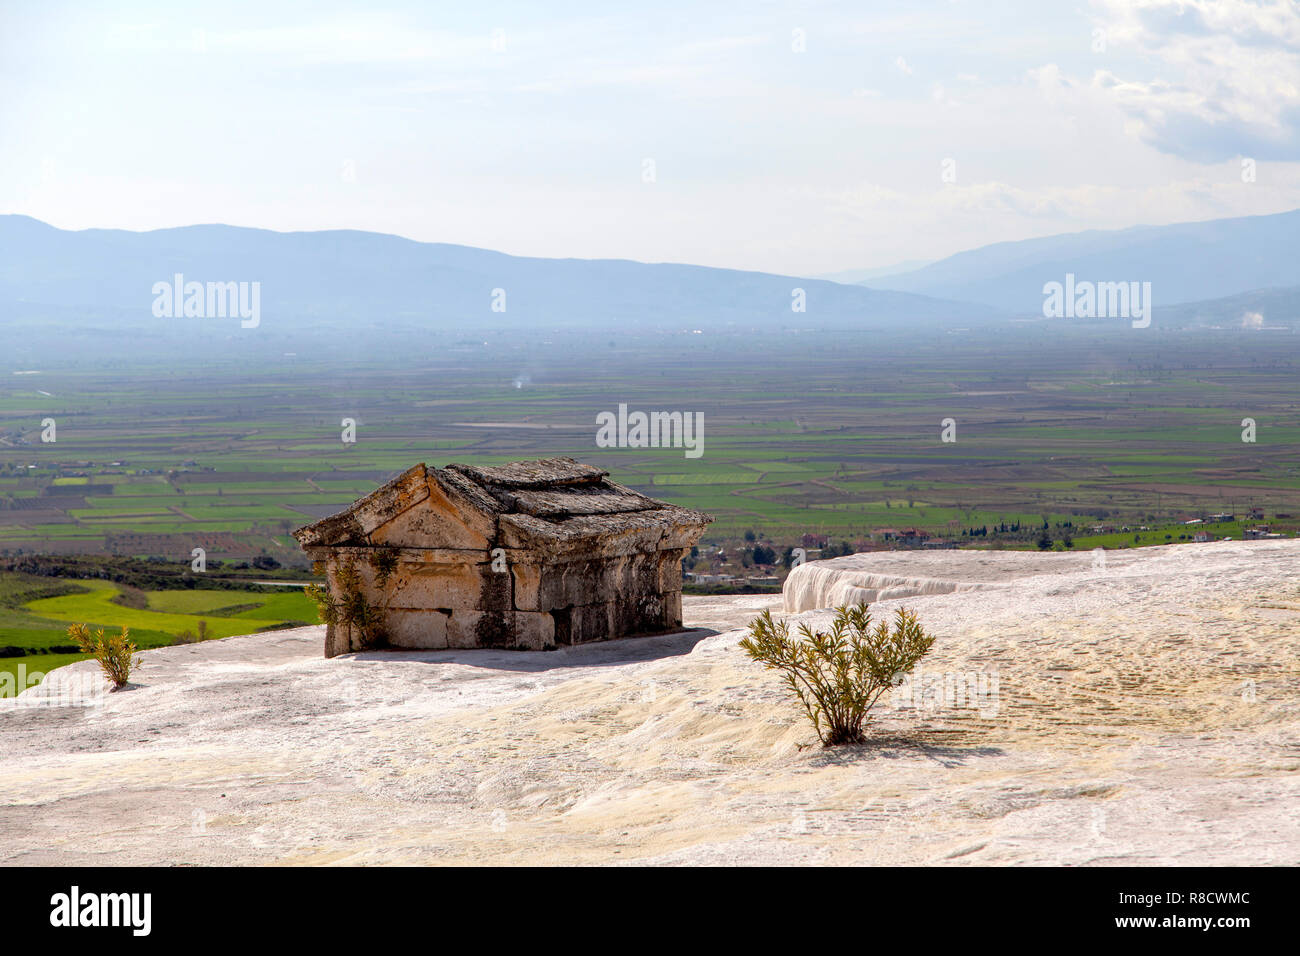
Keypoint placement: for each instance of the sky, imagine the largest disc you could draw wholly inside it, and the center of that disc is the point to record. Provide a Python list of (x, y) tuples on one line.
[(797, 138)]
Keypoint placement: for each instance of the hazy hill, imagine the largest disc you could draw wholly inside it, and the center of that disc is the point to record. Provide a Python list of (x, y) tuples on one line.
[(1185, 262), (1262, 309), (370, 280)]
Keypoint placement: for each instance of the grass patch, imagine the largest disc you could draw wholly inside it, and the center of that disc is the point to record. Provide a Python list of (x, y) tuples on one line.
[(37, 630)]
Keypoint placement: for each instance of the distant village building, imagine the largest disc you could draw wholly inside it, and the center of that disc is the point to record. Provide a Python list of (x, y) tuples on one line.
[(908, 537), (708, 579), (1202, 536), (527, 555)]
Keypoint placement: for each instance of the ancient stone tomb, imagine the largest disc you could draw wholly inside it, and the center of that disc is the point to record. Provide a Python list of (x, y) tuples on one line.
[(528, 555)]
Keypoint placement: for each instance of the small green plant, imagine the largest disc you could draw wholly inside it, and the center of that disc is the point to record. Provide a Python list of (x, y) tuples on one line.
[(838, 675), (189, 637), (384, 562), (116, 655), (353, 609)]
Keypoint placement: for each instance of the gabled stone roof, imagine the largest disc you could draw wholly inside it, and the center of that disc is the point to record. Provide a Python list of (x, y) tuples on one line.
[(548, 504)]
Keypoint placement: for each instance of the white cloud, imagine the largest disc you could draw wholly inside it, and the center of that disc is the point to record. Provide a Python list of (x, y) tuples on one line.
[(1228, 75)]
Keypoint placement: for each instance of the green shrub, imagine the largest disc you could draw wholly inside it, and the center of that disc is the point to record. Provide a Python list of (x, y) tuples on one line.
[(352, 609), (189, 637), (838, 675), (116, 655)]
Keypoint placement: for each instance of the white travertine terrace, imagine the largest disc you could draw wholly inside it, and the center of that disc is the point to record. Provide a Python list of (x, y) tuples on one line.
[(1142, 712), (885, 575)]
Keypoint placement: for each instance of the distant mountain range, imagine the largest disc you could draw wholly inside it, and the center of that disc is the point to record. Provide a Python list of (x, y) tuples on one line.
[(1232, 273), (1185, 262), (370, 280)]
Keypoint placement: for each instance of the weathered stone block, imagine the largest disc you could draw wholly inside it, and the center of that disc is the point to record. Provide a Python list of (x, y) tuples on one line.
[(437, 586), (528, 630), (534, 630), (670, 570), (463, 629), (584, 624), (423, 629), (672, 609), (338, 640), (527, 580), (637, 612)]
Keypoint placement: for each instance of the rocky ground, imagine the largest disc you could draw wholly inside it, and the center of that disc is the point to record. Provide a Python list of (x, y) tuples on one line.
[(1144, 710)]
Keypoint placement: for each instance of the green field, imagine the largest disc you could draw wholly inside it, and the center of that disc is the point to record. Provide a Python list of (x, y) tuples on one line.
[(805, 434), (35, 614)]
